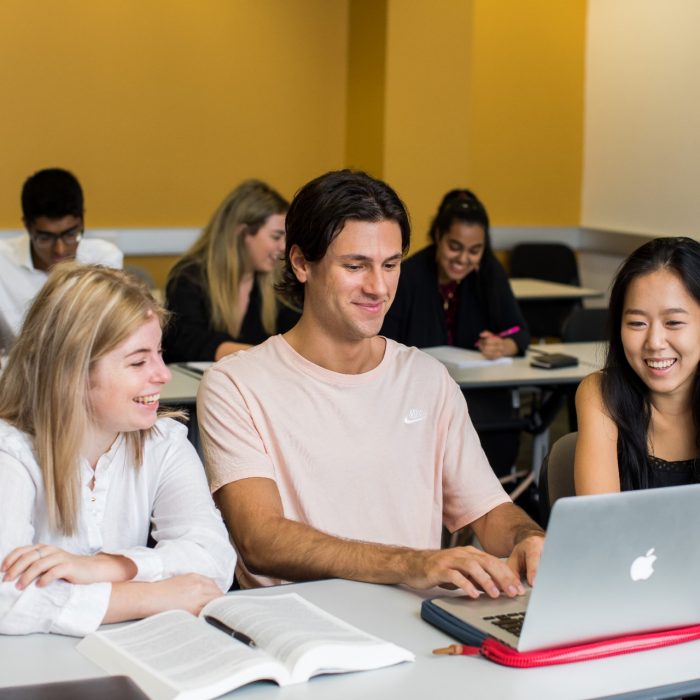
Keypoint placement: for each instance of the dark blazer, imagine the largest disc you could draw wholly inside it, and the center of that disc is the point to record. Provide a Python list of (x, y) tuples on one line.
[(189, 335), (416, 316)]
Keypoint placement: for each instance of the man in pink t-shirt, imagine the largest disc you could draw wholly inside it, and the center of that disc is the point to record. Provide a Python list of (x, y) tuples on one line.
[(334, 452)]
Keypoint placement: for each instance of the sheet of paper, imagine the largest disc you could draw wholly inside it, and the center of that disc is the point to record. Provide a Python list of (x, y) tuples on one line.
[(459, 358)]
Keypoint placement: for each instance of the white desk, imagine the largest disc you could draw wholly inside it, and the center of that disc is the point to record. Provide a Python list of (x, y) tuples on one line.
[(394, 614), (181, 390), (527, 289), (591, 357)]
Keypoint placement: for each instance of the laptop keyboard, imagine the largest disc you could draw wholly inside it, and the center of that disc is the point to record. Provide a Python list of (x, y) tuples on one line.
[(510, 622)]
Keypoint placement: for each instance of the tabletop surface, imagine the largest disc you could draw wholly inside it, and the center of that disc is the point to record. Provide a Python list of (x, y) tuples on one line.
[(527, 288), (392, 613), (591, 357), (181, 389)]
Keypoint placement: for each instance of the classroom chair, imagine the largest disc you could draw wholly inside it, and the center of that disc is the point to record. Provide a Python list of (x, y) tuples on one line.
[(554, 262), (495, 414), (585, 325), (557, 474)]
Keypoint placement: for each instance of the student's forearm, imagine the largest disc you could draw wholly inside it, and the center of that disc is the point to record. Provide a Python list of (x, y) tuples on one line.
[(500, 530), (133, 600), (129, 601), (297, 552), (272, 545), (114, 567)]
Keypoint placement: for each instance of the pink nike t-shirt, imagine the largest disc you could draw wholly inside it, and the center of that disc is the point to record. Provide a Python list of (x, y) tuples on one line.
[(386, 456)]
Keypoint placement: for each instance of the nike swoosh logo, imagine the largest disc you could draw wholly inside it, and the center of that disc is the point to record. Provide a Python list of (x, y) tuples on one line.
[(415, 415)]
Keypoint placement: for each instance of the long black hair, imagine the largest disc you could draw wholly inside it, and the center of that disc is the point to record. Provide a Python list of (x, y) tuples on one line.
[(463, 206), (625, 395)]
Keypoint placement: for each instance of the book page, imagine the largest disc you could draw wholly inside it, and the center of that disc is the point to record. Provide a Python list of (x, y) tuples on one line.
[(305, 638), (183, 653)]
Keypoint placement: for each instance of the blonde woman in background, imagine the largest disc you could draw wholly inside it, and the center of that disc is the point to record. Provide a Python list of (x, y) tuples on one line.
[(87, 466), (221, 292)]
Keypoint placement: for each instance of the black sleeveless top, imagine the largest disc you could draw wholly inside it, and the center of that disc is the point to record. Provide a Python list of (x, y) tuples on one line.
[(680, 473)]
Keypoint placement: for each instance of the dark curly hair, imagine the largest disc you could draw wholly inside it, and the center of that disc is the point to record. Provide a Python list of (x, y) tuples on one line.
[(319, 211), (53, 193)]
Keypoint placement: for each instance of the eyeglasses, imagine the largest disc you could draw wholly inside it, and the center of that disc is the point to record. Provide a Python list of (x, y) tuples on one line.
[(69, 238)]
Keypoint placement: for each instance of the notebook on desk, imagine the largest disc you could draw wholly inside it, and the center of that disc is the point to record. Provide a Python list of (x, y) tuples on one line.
[(612, 564)]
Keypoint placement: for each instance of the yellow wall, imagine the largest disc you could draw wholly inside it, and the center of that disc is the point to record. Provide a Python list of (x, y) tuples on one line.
[(486, 94), (157, 266), (366, 86), (427, 99), (525, 127), (161, 107)]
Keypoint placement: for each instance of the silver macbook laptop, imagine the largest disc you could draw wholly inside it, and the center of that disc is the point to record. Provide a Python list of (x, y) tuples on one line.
[(612, 564)]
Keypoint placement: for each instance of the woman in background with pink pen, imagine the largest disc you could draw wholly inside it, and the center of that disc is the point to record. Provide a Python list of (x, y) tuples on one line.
[(455, 292)]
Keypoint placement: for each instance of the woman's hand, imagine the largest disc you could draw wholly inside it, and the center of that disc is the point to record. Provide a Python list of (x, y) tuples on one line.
[(45, 563), (493, 346)]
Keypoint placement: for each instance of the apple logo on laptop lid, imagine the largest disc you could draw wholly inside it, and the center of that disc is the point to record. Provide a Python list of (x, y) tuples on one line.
[(643, 567)]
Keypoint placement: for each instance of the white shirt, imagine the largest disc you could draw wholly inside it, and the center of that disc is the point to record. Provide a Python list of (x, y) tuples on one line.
[(169, 489), (20, 281)]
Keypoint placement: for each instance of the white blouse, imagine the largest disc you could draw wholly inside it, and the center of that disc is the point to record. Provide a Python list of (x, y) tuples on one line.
[(168, 491)]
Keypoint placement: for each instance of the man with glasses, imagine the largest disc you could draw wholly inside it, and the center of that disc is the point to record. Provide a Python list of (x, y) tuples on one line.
[(53, 214)]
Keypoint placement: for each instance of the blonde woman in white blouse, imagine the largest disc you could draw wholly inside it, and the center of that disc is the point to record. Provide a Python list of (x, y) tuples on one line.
[(87, 467)]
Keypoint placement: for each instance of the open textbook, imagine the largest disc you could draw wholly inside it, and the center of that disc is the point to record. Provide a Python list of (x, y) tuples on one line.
[(460, 358), (177, 655)]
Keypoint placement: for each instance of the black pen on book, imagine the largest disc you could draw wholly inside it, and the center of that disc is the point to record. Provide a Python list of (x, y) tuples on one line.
[(229, 631)]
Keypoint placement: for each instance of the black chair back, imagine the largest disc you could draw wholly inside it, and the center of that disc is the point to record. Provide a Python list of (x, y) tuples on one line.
[(584, 325), (554, 262)]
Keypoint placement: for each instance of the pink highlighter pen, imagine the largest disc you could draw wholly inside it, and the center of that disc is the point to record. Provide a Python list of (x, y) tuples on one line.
[(509, 331), (504, 334)]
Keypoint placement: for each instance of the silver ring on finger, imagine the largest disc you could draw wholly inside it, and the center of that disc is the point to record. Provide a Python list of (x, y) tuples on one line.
[(40, 552)]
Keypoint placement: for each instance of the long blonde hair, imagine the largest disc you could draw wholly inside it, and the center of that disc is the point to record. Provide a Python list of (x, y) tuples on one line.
[(81, 314), (220, 254)]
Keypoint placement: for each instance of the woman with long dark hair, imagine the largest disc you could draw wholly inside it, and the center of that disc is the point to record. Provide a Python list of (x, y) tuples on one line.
[(455, 292), (639, 419)]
